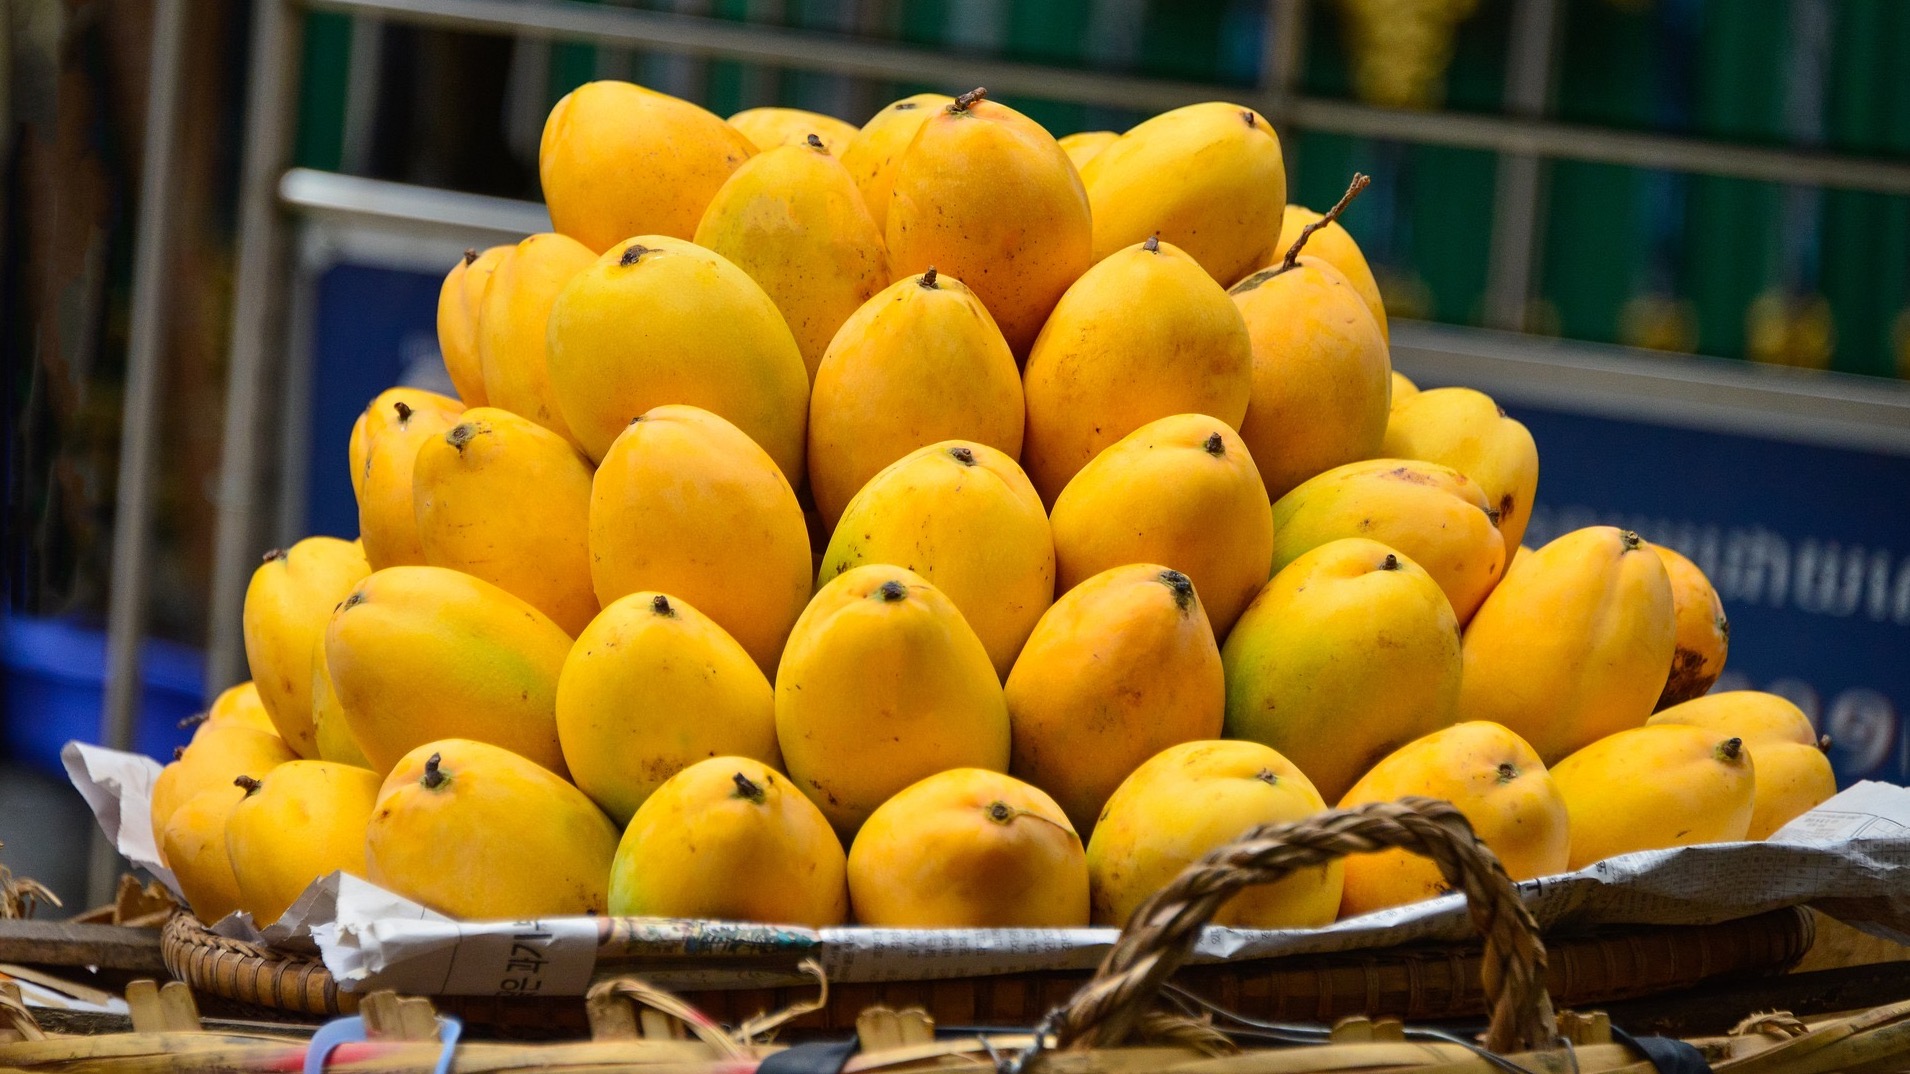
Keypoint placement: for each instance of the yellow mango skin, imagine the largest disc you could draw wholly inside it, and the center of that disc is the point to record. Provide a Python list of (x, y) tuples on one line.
[(214, 757), (504, 499), (1760, 719), (489, 836), (1574, 645), (1336, 247), (969, 848), (794, 220), (919, 363), (1648, 788), (729, 839), (1187, 497), (512, 343), (303, 820), (1466, 430), (1403, 387), (870, 156), (420, 653), (458, 304), (1321, 374), (1083, 146), (963, 516), (328, 716), (287, 603), (1190, 799), (1122, 667), (1349, 653), (677, 325), (1208, 178), (769, 128), (387, 520), (382, 413), (1144, 334), (1495, 780), (1791, 780), (238, 706), (1704, 634), (984, 194), (652, 687), (618, 160), (193, 846), (883, 684), (685, 504), (1431, 514)]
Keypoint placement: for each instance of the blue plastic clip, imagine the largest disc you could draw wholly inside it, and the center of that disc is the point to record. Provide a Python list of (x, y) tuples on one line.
[(352, 1031)]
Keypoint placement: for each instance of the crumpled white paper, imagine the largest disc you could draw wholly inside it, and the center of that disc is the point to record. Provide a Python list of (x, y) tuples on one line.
[(1850, 857)]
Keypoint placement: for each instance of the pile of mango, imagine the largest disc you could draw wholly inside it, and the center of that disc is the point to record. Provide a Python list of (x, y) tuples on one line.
[(939, 524)]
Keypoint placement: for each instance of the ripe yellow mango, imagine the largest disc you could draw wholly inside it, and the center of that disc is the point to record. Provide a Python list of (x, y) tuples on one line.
[(1403, 387), (963, 516), (793, 219), (421, 653), (1574, 645), (387, 523), (870, 156), (1186, 496), (883, 684), (504, 499), (1647, 788), (1466, 430), (618, 160), (381, 414), (919, 363), (1191, 799), (660, 321), (512, 341), (193, 847), (238, 706), (287, 603), (458, 303), (1496, 781), (685, 504), (1349, 653), (1144, 334), (1083, 146), (212, 760), (768, 128), (1321, 374), (969, 848), (984, 194), (480, 833), (1431, 514), (1208, 178), (1704, 634), (1760, 719), (1791, 780), (328, 716), (1123, 666), (728, 838), (1336, 247), (300, 821), (652, 687)]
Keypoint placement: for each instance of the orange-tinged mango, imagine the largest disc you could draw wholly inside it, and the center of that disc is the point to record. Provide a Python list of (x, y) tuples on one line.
[(193, 847), (1186, 495), (1704, 634), (458, 303), (1574, 645), (1496, 781), (1191, 799), (769, 128), (1791, 780), (1403, 387), (1466, 430), (1336, 247), (618, 160), (870, 156), (1122, 667), (884, 684), (728, 838), (387, 524), (381, 414), (512, 338), (1648, 788), (1347, 654), (239, 706), (963, 516), (984, 194), (1758, 718), (919, 363), (214, 758), (287, 603), (1144, 334), (1083, 146), (686, 504), (659, 321), (298, 822), (969, 848)]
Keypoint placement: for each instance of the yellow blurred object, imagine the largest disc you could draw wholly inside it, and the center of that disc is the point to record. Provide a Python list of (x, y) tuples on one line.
[(1794, 330), (1401, 48)]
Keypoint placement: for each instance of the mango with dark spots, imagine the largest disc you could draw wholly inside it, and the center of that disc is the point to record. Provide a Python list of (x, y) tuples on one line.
[(1650, 788), (769, 128), (1704, 634), (1466, 430)]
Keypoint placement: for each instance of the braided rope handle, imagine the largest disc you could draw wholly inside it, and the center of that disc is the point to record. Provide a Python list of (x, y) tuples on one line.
[(1162, 932)]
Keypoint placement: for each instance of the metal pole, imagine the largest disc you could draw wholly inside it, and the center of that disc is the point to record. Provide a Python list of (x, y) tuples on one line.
[(270, 116), (139, 424), (1515, 224)]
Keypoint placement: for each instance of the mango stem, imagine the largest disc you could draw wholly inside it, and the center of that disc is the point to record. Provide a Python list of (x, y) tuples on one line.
[(1359, 183), (433, 776), (745, 788)]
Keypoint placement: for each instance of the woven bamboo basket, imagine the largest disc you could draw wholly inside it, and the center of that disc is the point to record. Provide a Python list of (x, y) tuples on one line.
[(1418, 982)]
